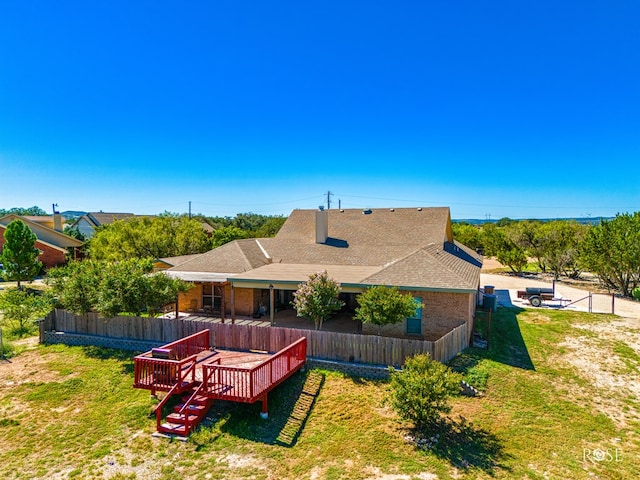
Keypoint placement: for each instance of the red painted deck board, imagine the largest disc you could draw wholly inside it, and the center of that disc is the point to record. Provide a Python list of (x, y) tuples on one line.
[(230, 358)]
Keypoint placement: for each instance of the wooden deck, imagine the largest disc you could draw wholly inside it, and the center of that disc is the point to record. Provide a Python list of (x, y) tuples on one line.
[(190, 365)]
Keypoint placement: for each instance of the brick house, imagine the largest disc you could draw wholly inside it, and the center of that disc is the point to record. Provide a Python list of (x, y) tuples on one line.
[(52, 243), (411, 248)]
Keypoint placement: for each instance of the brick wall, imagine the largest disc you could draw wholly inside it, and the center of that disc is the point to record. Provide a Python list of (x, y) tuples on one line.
[(246, 300), (185, 300), (442, 312), (49, 256)]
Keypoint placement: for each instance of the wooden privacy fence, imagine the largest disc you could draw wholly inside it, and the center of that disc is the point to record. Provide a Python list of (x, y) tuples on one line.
[(347, 347)]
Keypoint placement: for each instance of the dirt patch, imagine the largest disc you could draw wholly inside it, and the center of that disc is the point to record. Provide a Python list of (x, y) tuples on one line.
[(612, 378), (29, 366)]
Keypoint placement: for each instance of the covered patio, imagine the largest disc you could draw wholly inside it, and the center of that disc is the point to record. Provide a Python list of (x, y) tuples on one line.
[(341, 322)]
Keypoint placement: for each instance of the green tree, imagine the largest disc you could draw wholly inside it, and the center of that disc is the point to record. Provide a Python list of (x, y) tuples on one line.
[(611, 250), (76, 285), (21, 309), (111, 288), (226, 234), (419, 393), (469, 235), (560, 243), (317, 298), (381, 305), (19, 255), (130, 286), (270, 227), (498, 243), (30, 211), (528, 236), (166, 235), (249, 222)]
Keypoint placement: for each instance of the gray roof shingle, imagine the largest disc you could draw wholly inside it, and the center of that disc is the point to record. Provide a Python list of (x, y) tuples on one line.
[(410, 247)]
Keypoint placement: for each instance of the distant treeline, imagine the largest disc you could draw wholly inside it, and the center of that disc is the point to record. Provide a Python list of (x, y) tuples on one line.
[(609, 249), (505, 220)]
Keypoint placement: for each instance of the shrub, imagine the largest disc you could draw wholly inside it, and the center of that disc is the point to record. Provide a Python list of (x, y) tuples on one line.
[(635, 293), (419, 392), (317, 298)]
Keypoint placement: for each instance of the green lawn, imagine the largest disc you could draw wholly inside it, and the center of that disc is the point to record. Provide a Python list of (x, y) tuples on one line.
[(543, 415)]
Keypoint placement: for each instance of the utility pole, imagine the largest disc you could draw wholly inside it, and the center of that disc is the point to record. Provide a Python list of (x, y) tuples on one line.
[(189, 209), (329, 200)]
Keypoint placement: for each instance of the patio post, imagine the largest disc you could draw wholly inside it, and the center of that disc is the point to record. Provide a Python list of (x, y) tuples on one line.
[(271, 304), (233, 305)]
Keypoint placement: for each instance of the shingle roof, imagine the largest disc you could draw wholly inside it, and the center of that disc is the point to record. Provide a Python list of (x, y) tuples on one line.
[(406, 247), (355, 238), (233, 257), (174, 261), (432, 267)]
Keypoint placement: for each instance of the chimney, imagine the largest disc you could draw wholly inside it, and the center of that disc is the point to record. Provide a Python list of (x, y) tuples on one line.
[(322, 225), (57, 219)]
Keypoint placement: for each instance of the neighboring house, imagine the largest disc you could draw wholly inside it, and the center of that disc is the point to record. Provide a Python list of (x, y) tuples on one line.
[(52, 243), (411, 248), (89, 222)]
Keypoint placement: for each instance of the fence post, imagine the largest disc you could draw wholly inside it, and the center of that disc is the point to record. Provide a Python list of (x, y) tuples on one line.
[(613, 303)]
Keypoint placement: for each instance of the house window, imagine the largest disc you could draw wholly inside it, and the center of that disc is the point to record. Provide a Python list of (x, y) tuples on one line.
[(207, 296), (414, 323), (212, 297)]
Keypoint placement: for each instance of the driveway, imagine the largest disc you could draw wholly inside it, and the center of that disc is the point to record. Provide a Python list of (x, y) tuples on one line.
[(507, 286)]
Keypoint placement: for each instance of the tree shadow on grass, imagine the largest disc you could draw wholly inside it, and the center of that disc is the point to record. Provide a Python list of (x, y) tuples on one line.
[(464, 445), (290, 405), (104, 353)]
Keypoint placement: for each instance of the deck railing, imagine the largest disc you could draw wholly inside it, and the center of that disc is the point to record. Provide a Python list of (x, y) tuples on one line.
[(248, 384), (191, 345), (163, 374)]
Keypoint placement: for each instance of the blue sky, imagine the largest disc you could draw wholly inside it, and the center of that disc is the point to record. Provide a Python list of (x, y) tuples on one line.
[(495, 109)]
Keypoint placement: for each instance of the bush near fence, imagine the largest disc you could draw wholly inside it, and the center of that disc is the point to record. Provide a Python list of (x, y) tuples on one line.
[(332, 346)]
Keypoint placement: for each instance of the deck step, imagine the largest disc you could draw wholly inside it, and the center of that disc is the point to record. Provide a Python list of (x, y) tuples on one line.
[(197, 400), (196, 409), (180, 419), (173, 429)]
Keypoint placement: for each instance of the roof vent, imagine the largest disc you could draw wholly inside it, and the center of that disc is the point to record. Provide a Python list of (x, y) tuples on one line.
[(367, 211)]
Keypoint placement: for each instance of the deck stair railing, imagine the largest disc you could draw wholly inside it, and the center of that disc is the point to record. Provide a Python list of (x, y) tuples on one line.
[(185, 416)]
